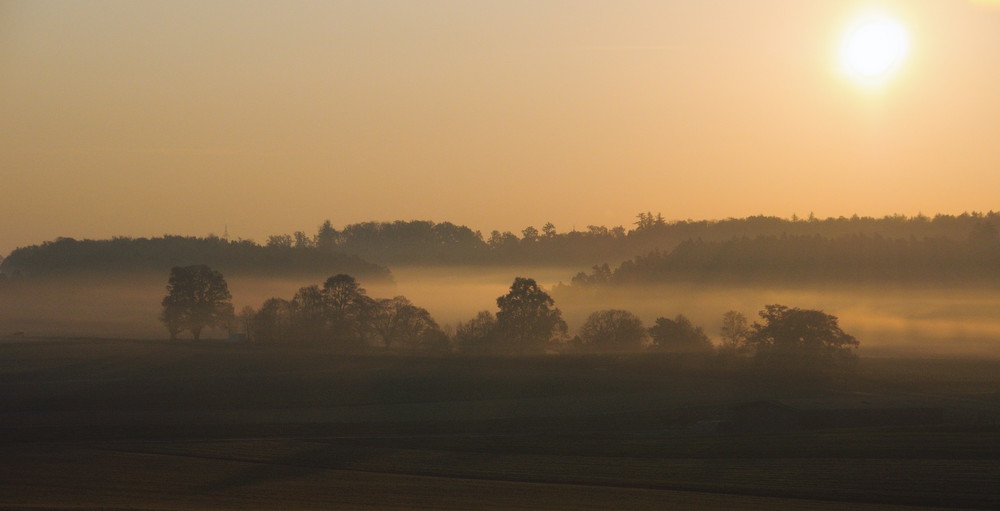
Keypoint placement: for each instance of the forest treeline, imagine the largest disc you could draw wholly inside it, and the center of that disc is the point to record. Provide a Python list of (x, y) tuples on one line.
[(790, 259), (425, 242), (127, 255), (346, 250)]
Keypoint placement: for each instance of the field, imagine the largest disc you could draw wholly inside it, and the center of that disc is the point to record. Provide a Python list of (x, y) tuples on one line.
[(136, 425)]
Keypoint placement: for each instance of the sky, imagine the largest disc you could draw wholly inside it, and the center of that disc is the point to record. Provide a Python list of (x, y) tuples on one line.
[(143, 118)]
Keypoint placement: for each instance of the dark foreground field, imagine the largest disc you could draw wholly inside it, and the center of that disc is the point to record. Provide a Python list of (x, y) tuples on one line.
[(120, 425)]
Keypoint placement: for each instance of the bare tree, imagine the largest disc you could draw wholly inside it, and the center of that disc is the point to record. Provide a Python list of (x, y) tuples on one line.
[(735, 331)]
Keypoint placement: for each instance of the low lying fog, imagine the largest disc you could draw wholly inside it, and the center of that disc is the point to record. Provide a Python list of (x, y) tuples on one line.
[(887, 320)]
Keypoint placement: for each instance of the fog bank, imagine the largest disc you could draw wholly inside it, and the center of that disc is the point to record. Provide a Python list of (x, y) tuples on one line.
[(892, 321)]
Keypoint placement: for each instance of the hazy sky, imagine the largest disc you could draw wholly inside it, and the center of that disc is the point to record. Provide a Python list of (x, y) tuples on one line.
[(142, 118)]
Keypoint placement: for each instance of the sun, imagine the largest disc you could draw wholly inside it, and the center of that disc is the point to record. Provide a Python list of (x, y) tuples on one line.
[(873, 48)]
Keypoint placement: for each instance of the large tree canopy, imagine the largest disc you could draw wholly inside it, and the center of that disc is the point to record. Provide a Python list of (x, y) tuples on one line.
[(527, 320), (349, 311), (679, 335), (197, 297), (478, 335), (612, 330), (404, 326), (341, 316), (801, 340)]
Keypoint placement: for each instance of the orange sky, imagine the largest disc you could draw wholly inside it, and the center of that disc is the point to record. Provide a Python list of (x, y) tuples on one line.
[(182, 117)]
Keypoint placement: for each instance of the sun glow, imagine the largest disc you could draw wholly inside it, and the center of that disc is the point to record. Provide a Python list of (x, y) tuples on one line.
[(873, 49)]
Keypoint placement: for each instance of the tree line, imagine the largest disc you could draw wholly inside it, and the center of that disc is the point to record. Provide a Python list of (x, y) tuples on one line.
[(122, 254), (849, 258), (425, 242), (360, 249), (340, 316)]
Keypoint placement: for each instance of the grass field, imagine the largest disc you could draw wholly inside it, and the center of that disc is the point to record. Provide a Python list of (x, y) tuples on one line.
[(143, 425)]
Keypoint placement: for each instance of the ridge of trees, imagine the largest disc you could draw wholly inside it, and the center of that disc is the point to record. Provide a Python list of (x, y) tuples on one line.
[(811, 258), (122, 254), (360, 248), (426, 242)]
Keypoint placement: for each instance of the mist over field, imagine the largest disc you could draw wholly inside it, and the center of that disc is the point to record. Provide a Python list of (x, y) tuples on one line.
[(499, 254), (889, 320)]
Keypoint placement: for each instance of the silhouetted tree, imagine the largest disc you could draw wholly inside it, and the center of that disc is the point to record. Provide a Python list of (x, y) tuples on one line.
[(274, 321), (479, 335), (599, 275), (678, 335), (197, 297), (350, 312), (340, 315), (549, 230), (302, 240), (734, 331), (646, 221), (527, 320), (279, 241), (612, 330), (529, 235), (801, 341), (503, 241), (326, 238), (309, 315), (405, 326), (172, 317)]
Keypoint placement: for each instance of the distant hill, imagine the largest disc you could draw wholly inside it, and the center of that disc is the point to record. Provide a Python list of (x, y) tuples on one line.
[(445, 243), (363, 249), (66, 256), (787, 259)]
